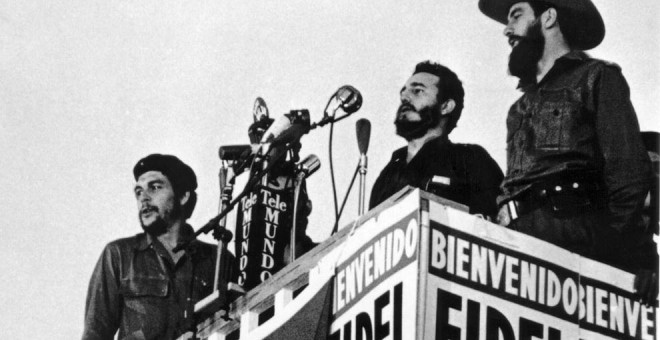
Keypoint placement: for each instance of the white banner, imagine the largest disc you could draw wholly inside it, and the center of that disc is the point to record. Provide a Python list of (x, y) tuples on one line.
[(486, 282)]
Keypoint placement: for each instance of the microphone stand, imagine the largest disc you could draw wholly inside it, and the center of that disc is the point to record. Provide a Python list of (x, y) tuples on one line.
[(363, 173), (296, 196), (210, 225), (218, 299)]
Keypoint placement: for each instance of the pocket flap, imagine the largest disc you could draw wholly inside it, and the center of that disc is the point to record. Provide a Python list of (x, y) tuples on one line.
[(144, 286)]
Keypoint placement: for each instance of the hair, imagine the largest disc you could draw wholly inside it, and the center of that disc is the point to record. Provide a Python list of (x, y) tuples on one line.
[(180, 190), (567, 19), (180, 175), (189, 206), (449, 87)]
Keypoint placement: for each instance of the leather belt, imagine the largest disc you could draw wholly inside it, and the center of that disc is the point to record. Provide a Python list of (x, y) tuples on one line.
[(570, 197)]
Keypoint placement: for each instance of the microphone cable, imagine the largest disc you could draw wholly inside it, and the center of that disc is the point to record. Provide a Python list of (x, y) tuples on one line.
[(343, 204), (332, 170)]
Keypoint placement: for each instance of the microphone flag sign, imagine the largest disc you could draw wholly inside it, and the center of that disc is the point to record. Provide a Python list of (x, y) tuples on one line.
[(262, 233)]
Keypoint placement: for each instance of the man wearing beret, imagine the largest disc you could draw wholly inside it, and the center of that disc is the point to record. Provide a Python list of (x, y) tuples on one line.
[(140, 286), (577, 172)]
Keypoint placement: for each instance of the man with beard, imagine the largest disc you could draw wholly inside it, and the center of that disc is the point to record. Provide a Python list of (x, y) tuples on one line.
[(577, 172), (431, 104), (140, 286)]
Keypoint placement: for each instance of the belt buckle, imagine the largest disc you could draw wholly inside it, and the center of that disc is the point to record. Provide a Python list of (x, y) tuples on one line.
[(512, 207)]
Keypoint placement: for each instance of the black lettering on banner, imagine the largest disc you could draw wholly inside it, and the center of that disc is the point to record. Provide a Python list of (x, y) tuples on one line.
[(473, 312), (443, 330), (497, 327), (532, 282), (363, 323), (554, 334), (529, 329), (398, 317), (392, 249), (497, 323), (378, 330), (381, 329)]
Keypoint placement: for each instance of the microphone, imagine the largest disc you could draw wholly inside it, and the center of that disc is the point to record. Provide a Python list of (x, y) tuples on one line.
[(350, 99), (308, 166), (363, 132), (259, 110), (261, 120), (240, 155), (287, 128), (234, 152)]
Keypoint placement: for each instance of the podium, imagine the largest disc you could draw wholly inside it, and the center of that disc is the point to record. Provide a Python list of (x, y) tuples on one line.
[(421, 267)]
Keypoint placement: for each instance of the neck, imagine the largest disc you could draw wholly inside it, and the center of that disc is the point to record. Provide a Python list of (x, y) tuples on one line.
[(414, 145), (170, 239), (553, 50)]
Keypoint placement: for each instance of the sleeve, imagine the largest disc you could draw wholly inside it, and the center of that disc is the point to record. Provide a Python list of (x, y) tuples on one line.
[(377, 192), (103, 305), (485, 179), (626, 165)]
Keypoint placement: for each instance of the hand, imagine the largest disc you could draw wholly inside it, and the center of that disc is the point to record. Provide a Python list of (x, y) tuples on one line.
[(503, 217), (646, 286)]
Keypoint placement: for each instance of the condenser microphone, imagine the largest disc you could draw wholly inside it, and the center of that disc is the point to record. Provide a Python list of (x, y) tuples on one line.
[(349, 98), (287, 128), (308, 166), (363, 133), (261, 121), (234, 152)]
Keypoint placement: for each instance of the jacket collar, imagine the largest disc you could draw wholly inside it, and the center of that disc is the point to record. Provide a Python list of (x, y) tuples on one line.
[(144, 240), (431, 147), (562, 64)]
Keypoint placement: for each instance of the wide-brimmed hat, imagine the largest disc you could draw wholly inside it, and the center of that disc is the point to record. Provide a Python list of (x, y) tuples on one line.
[(590, 28)]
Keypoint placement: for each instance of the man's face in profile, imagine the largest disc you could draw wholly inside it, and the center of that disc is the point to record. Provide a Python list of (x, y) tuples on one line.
[(157, 203), (419, 109), (524, 35)]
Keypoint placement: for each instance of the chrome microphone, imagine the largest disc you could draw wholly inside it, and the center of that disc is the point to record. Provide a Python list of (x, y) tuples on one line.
[(349, 98), (363, 131), (308, 166)]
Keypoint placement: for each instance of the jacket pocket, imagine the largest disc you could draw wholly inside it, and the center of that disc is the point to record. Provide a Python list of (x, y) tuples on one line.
[(144, 286), (557, 121)]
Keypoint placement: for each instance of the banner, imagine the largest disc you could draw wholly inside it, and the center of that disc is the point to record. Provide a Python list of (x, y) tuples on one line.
[(263, 227), (487, 284), (375, 285)]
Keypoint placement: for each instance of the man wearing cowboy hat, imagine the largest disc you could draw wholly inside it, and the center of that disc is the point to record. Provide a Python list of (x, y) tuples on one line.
[(140, 285), (577, 172)]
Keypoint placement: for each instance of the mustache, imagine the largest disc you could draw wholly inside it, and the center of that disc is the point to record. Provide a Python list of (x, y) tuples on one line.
[(148, 208), (513, 38), (406, 107)]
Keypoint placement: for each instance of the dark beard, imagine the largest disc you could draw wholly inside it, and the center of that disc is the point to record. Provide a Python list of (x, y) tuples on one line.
[(157, 228), (159, 225), (411, 130), (524, 57)]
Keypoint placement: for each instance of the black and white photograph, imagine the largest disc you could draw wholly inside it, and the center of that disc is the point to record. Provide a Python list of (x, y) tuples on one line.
[(341, 170)]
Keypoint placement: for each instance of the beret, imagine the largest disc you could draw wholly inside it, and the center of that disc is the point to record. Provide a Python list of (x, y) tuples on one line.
[(179, 173)]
